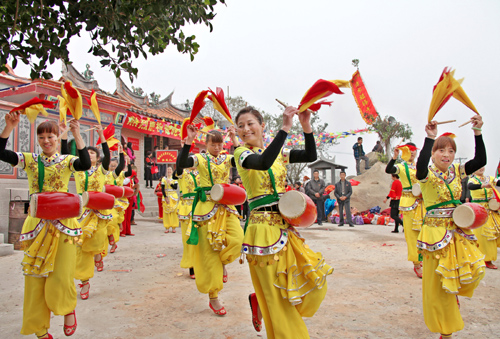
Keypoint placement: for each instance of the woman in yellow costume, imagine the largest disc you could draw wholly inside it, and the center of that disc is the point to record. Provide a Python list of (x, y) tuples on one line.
[(289, 278), (216, 231), (93, 222), (188, 180), (411, 206), (50, 252), (170, 201), (452, 263), (115, 177), (488, 235)]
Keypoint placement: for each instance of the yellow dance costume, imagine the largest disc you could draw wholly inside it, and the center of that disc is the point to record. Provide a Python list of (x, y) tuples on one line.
[(489, 234), (118, 211), (50, 252), (93, 223), (217, 232), (288, 277), (187, 183), (453, 265), (169, 204), (412, 208)]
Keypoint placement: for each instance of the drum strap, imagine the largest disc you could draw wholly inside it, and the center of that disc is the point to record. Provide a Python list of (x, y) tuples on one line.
[(407, 170), (199, 194), (41, 173), (86, 181), (268, 199)]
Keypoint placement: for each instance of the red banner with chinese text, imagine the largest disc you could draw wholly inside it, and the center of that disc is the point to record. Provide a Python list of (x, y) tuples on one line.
[(152, 126), (365, 104), (135, 143), (166, 157)]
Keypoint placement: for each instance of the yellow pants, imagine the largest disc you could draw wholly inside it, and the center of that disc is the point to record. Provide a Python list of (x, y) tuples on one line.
[(170, 220), (410, 236), (88, 249), (441, 311), (56, 293), (487, 246), (207, 263), (187, 250)]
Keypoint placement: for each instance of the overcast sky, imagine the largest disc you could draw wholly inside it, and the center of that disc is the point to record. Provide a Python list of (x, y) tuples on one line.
[(262, 50)]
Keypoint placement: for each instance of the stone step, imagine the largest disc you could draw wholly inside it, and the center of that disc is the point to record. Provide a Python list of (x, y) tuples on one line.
[(6, 249)]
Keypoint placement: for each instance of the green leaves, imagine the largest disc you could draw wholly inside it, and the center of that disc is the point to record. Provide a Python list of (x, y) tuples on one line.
[(132, 28)]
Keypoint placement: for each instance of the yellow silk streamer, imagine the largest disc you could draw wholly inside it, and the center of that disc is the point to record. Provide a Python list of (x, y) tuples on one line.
[(33, 110), (75, 105)]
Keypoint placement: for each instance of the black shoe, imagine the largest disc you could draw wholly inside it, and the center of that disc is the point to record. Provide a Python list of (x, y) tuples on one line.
[(394, 231), (340, 225), (351, 225), (320, 223)]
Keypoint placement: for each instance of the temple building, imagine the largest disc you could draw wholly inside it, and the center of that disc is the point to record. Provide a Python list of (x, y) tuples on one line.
[(142, 121)]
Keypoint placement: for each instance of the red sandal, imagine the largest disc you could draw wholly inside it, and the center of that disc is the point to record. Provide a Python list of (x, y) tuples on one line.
[(225, 279), (490, 265), (84, 296), (416, 272), (113, 248), (70, 330), (43, 336), (99, 264), (254, 305), (220, 312)]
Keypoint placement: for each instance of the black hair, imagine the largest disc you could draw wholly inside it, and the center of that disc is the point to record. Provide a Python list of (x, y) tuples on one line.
[(96, 151), (214, 136), (253, 111)]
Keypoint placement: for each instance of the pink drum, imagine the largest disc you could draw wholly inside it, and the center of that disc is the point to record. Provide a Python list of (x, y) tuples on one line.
[(470, 215), (55, 205), (493, 204), (297, 209), (227, 194), (98, 200), (119, 191)]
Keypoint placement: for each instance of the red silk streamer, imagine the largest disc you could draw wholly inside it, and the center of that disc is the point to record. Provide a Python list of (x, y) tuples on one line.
[(315, 107), (198, 104), (209, 122), (34, 101), (321, 89), (109, 133), (363, 100), (448, 134), (219, 103), (70, 90)]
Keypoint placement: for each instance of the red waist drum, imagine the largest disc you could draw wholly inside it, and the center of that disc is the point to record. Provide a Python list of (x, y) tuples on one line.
[(98, 200), (55, 205), (297, 209), (227, 194), (470, 215), (119, 191)]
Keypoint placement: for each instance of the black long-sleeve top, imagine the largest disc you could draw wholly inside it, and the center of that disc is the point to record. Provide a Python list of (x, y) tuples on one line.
[(475, 186), (105, 149), (81, 164), (470, 166), (391, 168)]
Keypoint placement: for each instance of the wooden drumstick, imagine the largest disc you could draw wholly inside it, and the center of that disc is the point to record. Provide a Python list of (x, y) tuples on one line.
[(445, 122), (89, 129), (206, 133), (465, 123), (285, 105)]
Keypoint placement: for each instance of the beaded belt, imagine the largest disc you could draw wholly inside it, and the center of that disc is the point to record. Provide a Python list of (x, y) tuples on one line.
[(440, 213)]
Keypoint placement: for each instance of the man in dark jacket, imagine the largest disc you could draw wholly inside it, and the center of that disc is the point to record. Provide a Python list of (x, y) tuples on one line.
[(315, 189), (359, 154), (343, 191)]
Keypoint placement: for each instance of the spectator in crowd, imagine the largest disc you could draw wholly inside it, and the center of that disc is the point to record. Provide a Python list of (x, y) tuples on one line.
[(148, 163), (130, 152), (315, 189), (359, 155), (378, 148), (343, 191), (395, 196), (298, 187)]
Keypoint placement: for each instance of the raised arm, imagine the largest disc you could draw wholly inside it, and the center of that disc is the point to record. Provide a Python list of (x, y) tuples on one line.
[(11, 121), (83, 162), (426, 152), (391, 168)]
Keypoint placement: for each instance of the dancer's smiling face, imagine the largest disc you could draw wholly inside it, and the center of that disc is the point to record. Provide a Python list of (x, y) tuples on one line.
[(443, 157), (249, 129)]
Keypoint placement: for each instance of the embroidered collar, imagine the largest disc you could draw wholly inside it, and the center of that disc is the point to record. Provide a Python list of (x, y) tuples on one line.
[(52, 160), (447, 177), (482, 180), (92, 170), (255, 149), (216, 160), (411, 165)]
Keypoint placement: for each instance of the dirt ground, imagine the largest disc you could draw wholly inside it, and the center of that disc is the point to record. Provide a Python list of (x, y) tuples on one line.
[(373, 292)]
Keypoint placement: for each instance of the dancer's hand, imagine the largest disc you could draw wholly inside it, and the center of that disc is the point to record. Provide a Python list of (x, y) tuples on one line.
[(192, 131), (477, 122), (396, 154), (431, 129), (288, 118), (305, 121)]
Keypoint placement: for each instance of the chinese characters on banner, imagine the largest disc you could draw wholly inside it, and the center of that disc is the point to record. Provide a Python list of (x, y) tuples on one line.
[(152, 126), (135, 143), (365, 104), (166, 157)]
